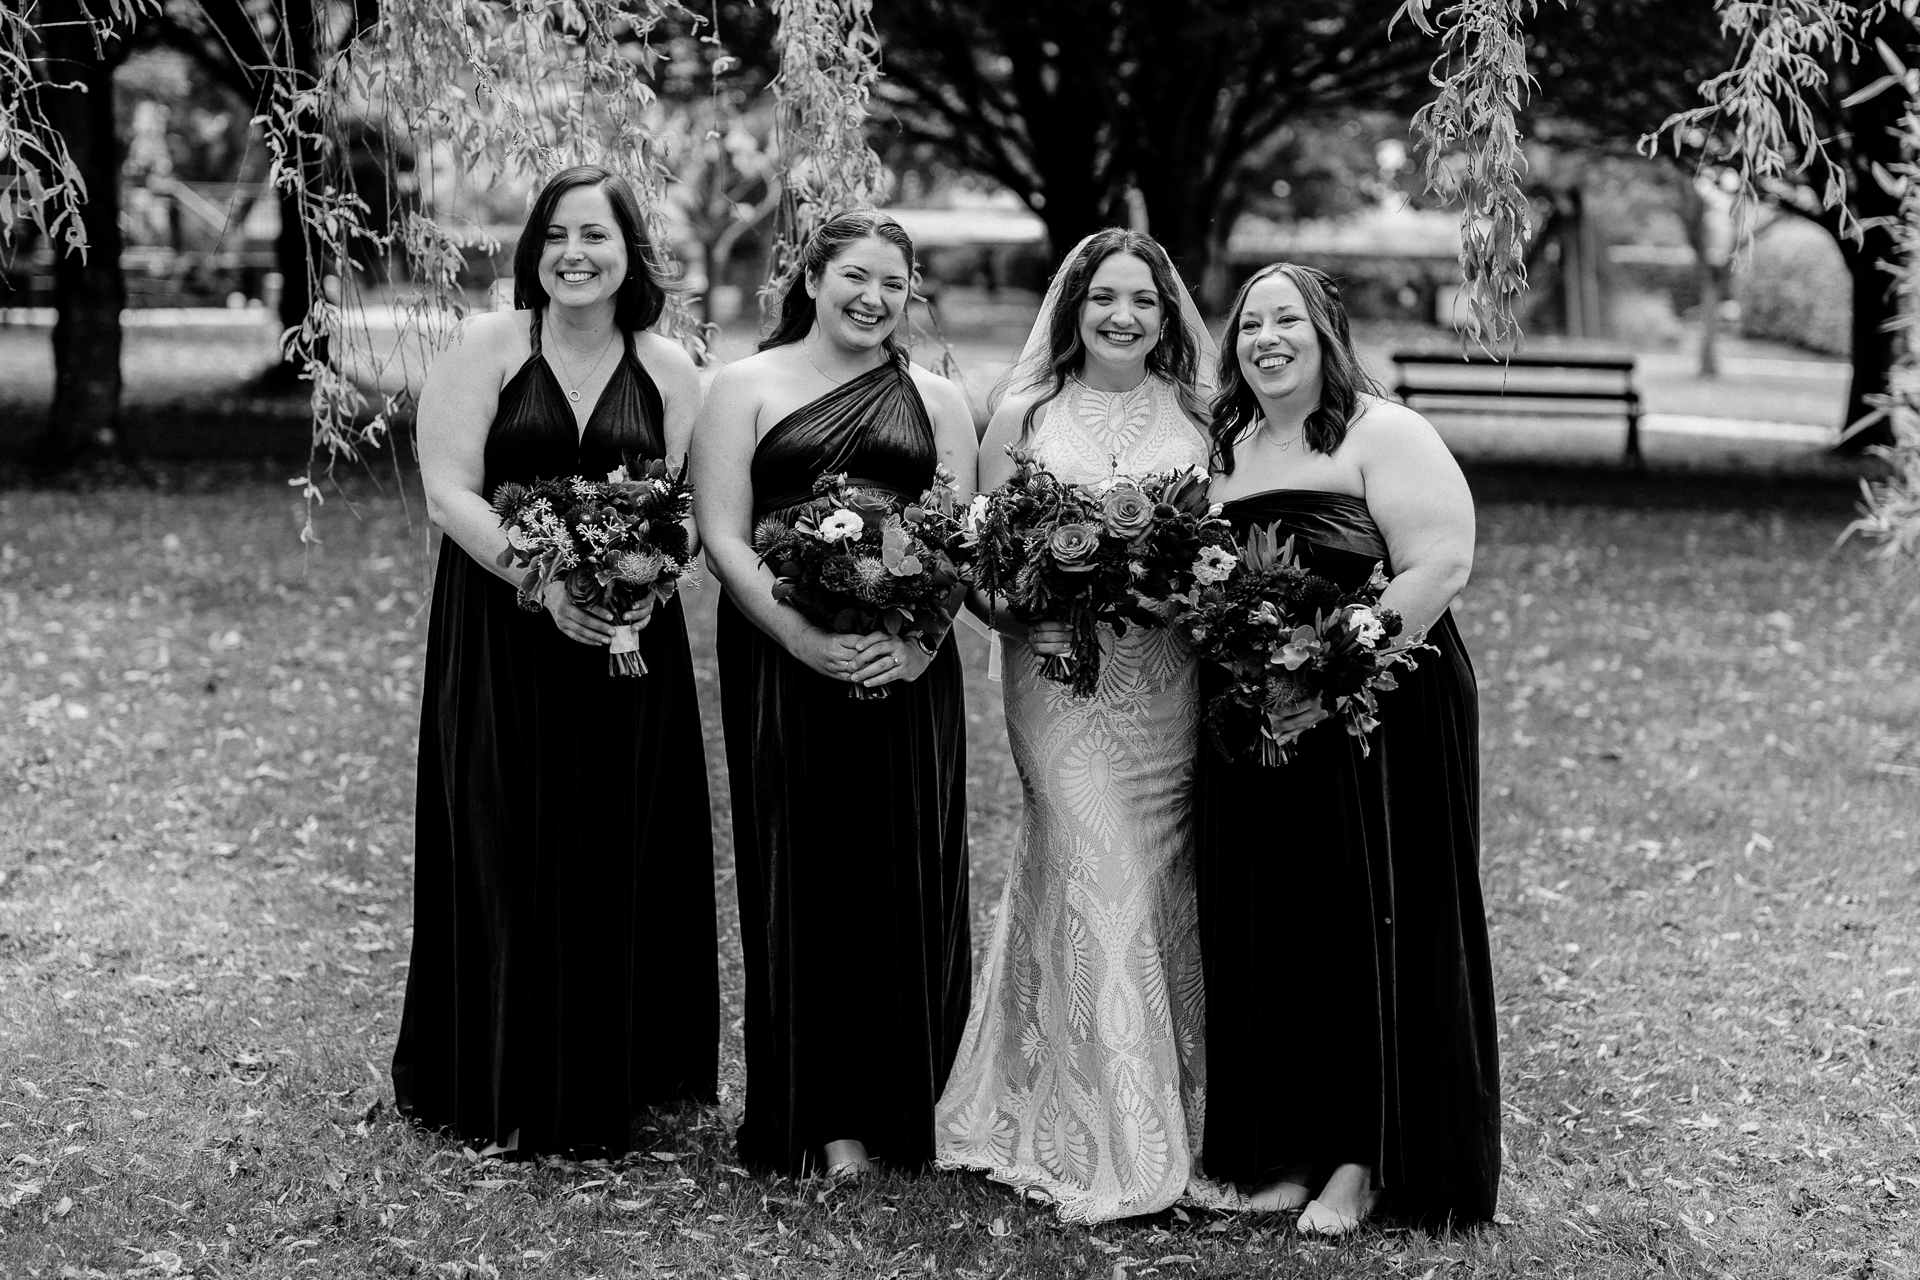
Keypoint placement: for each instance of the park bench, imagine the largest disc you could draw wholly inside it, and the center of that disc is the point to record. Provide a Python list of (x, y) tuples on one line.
[(1534, 384)]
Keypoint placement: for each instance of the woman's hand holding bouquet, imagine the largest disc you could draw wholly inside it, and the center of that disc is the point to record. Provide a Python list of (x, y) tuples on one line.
[(1299, 649), (618, 545), (1121, 552), (856, 560)]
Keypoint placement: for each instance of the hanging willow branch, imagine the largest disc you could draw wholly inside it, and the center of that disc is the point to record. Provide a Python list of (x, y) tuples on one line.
[(829, 63), (1470, 139), (1762, 104), (483, 92), (39, 183)]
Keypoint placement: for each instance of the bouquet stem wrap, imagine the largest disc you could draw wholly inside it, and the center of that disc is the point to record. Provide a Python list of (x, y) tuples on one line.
[(623, 652)]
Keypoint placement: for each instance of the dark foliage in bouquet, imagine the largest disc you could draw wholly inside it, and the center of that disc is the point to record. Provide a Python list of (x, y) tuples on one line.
[(1291, 637), (614, 542), (856, 560), (1119, 553)]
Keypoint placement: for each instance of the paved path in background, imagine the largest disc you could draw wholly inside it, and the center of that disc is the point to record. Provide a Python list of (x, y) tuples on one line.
[(1766, 410)]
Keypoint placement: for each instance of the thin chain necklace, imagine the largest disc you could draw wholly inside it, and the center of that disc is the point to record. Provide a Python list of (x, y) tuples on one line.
[(838, 382), (573, 392), (1283, 445)]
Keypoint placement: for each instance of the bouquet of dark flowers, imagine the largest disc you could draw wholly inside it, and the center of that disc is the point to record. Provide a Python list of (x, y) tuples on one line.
[(614, 542), (1290, 637), (856, 560), (1124, 551)]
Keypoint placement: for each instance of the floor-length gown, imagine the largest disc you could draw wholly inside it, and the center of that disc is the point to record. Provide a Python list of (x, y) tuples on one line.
[(564, 972), (1349, 990), (1081, 1075), (850, 836)]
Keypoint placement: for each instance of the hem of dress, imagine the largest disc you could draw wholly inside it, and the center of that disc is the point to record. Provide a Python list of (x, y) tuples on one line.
[(1073, 1205)]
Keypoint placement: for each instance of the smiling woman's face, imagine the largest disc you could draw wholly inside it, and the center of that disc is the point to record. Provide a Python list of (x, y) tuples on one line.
[(1121, 319), (859, 296), (584, 258), (1276, 343)]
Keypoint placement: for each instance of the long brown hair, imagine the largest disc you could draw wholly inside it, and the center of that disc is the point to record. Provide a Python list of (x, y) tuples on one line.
[(643, 294), (1343, 380), (829, 241), (1175, 357)]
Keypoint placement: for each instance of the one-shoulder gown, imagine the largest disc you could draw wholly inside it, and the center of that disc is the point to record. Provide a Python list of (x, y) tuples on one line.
[(564, 972), (1350, 1013), (850, 834)]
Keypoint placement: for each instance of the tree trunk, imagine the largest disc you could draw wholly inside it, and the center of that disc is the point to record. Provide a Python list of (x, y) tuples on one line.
[(89, 290), (1874, 348)]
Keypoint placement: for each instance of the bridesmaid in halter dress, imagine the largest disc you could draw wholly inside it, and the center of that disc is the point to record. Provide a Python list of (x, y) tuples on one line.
[(564, 972), (1081, 1073), (1351, 1047), (849, 816)]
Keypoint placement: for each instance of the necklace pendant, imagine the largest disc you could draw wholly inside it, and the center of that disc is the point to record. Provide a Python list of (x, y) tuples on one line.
[(574, 396)]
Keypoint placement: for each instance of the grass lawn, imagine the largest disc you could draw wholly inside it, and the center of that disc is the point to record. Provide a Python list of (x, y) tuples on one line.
[(1702, 862)]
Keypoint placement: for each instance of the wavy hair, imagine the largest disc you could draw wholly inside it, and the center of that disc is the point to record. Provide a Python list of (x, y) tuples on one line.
[(643, 294), (1175, 357), (829, 241), (1343, 380)]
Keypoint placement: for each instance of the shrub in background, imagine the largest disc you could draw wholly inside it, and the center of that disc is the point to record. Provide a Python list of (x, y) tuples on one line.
[(1795, 288)]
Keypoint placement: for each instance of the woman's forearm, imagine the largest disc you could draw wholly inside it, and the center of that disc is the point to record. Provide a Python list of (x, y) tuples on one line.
[(1424, 592), (468, 519), (993, 611)]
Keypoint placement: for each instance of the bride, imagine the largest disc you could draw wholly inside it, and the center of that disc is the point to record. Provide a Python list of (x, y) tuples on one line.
[(1080, 1073)]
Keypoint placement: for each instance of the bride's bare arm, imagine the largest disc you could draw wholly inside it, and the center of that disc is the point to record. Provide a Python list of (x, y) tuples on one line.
[(1004, 431)]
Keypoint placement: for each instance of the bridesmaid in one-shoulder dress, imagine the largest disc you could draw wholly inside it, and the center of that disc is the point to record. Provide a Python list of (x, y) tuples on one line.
[(564, 972), (1351, 1047), (849, 816)]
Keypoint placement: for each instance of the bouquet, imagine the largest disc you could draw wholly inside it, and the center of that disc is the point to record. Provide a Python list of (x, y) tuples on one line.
[(856, 560), (1127, 550), (1288, 637), (614, 542)]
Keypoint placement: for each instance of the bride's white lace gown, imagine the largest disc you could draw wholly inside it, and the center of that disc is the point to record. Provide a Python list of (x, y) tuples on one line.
[(1081, 1071)]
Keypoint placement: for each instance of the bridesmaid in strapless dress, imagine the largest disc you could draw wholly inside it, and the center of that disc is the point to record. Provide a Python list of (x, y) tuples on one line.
[(1351, 1046), (849, 816), (564, 972)]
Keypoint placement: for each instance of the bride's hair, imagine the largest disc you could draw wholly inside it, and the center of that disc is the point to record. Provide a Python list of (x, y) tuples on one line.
[(1175, 357), (1343, 380), (832, 239)]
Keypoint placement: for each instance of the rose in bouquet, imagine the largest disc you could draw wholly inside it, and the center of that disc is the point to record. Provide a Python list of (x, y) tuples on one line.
[(856, 560), (1125, 551), (1290, 639), (615, 543)]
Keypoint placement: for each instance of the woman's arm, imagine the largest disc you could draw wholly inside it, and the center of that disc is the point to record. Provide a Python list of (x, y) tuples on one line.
[(673, 371), (723, 445), (1421, 502), (457, 407)]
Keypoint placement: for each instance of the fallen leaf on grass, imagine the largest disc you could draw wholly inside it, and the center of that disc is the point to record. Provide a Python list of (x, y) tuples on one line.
[(64, 1208), (998, 1227)]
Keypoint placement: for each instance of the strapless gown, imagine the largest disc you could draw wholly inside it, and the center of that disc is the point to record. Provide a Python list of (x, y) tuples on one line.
[(564, 972), (850, 837), (1349, 988)]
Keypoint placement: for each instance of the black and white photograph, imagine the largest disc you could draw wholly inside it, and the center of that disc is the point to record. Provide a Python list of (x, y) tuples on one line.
[(799, 639)]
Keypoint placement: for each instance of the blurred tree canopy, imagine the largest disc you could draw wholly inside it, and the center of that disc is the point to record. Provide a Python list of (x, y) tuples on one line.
[(1071, 103)]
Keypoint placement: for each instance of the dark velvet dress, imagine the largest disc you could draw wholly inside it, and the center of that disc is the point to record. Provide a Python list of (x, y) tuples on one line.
[(850, 837), (564, 972), (1350, 1014)]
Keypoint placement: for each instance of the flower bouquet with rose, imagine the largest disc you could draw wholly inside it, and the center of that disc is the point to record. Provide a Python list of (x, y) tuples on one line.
[(1289, 637), (614, 542), (1125, 551), (856, 560)]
